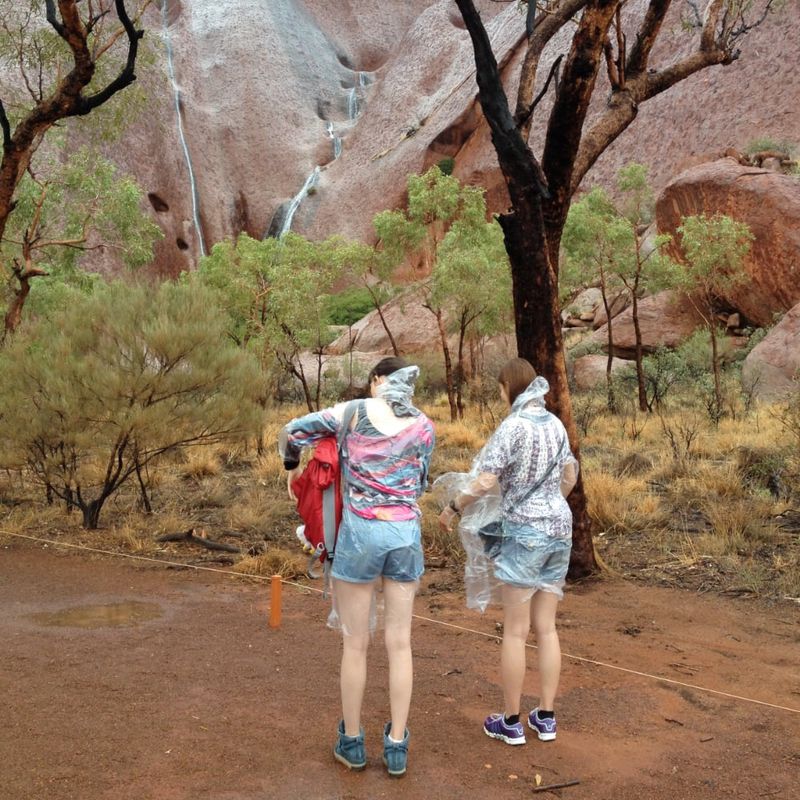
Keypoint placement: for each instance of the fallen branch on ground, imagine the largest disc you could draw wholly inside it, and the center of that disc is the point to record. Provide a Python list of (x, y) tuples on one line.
[(198, 537)]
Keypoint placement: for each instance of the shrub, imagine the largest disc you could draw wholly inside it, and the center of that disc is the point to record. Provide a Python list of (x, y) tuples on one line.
[(117, 380), (349, 306)]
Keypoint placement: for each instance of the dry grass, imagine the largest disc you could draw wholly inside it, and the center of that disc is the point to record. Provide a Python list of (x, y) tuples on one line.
[(704, 520), (621, 505), (289, 564), (203, 462)]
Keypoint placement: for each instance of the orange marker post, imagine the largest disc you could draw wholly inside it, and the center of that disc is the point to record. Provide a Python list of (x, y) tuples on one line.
[(276, 586)]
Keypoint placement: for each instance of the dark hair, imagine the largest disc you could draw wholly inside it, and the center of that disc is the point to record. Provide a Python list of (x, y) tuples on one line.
[(386, 366), (516, 376)]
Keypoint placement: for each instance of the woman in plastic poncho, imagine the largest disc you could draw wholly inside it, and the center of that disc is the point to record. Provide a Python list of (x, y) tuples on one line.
[(529, 457), (384, 469)]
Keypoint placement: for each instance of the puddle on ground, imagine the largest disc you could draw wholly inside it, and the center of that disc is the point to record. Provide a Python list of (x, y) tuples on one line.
[(114, 615)]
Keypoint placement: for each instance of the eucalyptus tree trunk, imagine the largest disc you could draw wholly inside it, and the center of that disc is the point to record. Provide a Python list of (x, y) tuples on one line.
[(541, 190)]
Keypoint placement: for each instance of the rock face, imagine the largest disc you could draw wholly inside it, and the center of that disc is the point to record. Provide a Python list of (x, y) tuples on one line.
[(769, 203), (772, 368), (665, 320), (269, 92)]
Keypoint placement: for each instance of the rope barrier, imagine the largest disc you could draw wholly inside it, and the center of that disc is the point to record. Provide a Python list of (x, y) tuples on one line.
[(265, 578)]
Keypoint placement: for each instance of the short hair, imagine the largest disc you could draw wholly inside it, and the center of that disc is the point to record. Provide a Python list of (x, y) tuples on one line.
[(386, 366), (516, 375)]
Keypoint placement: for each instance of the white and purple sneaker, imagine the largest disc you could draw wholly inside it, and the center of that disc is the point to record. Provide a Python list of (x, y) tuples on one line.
[(496, 727), (545, 727)]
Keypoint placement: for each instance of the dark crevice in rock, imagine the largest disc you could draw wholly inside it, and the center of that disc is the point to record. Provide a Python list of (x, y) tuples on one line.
[(158, 203)]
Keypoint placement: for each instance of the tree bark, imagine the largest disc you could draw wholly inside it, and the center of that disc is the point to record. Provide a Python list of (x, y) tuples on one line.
[(448, 364), (712, 329), (639, 354), (382, 318), (611, 402), (531, 242)]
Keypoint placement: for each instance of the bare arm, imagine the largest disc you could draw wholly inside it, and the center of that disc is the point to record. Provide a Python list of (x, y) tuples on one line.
[(569, 477)]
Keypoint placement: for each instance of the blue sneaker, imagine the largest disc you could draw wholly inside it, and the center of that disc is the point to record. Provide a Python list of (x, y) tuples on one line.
[(495, 726), (395, 754), (545, 727), (350, 750)]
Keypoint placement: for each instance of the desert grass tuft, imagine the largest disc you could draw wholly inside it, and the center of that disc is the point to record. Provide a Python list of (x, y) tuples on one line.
[(201, 463), (289, 564)]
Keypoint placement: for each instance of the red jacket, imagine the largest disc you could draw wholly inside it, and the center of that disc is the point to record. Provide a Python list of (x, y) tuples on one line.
[(322, 471)]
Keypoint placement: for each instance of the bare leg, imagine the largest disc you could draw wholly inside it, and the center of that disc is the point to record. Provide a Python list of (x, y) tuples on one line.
[(399, 606), (544, 606), (516, 626), (353, 601)]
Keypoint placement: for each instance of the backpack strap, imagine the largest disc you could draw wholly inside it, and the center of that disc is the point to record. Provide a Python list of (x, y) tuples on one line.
[(546, 475), (347, 420)]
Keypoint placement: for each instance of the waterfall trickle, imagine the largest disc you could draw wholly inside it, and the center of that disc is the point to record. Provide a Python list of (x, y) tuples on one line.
[(353, 109), (311, 182), (352, 104), (284, 216), (335, 138), (176, 92)]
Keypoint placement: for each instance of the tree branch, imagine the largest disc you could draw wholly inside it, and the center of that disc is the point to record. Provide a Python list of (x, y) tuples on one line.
[(50, 14), (565, 126), (647, 35), (516, 155), (624, 106), (127, 74), (6, 127), (546, 25), (521, 123)]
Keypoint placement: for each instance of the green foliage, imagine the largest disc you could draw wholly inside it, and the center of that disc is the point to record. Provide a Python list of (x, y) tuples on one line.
[(64, 214), (680, 370), (469, 283), (34, 58), (767, 143), (349, 306), (601, 242), (447, 165), (601, 245), (714, 248), (117, 379), (276, 294)]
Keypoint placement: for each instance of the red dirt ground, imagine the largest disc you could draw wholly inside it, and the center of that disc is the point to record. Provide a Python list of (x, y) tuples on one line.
[(206, 702)]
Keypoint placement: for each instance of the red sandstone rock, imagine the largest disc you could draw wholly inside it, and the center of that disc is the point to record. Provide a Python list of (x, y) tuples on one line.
[(772, 368), (413, 327), (261, 81), (770, 204), (665, 319), (589, 371)]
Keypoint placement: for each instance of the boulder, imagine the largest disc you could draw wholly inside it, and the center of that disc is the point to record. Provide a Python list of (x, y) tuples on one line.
[(413, 327), (769, 203), (338, 370), (617, 304), (589, 371), (665, 319), (772, 368), (587, 302)]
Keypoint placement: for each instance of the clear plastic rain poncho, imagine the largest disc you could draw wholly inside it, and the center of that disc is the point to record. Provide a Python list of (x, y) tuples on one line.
[(514, 509)]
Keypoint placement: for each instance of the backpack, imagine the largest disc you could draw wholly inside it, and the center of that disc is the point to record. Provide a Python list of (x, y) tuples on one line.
[(319, 495), (320, 474)]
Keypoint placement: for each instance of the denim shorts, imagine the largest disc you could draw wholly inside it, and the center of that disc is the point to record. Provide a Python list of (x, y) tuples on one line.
[(530, 559), (367, 549)]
